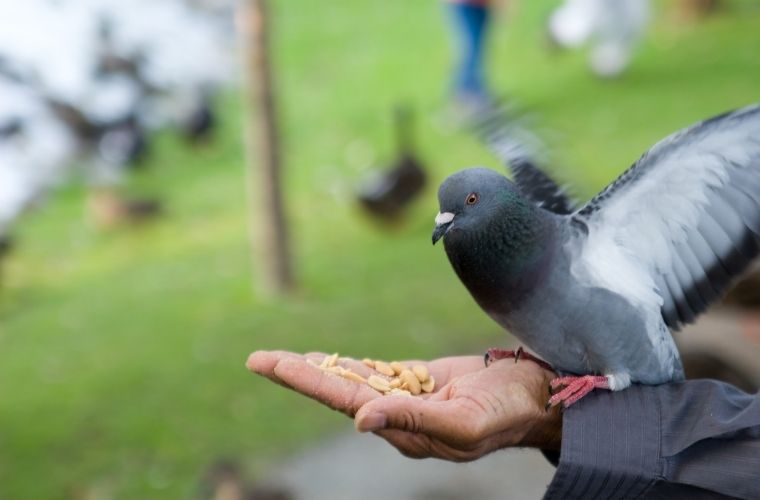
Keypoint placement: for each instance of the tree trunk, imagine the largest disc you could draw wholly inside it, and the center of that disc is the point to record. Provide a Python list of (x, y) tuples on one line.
[(269, 233)]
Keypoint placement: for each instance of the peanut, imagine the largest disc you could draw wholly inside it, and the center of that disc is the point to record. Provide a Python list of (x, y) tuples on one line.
[(378, 383), (384, 368), (421, 372), (338, 370), (397, 367), (354, 376), (398, 380), (410, 380), (399, 392), (329, 361), (428, 385)]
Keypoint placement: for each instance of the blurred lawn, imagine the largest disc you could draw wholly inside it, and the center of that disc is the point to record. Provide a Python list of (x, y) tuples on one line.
[(121, 352)]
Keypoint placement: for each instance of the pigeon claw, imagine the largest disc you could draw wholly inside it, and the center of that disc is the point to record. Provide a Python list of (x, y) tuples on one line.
[(574, 388), (495, 354), (518, 353)]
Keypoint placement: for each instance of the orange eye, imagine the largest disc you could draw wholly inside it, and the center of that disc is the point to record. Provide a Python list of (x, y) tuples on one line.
[(472, 199)]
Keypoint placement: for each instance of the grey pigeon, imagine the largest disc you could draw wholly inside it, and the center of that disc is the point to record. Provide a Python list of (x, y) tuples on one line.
[(596, 292)]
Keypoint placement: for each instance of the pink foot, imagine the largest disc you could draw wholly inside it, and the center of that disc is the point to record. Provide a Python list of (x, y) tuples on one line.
[(575, 388), (495, 354)]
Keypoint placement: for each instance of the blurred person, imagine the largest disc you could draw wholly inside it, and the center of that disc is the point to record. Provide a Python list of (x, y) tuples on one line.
[(689, 439), (613, 29), (470, 21)]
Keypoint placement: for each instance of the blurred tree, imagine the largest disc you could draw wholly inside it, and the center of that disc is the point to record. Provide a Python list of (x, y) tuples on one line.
[(268, 225)]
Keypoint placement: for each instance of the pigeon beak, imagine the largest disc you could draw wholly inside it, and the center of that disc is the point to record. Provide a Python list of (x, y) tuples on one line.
[(442, 224)]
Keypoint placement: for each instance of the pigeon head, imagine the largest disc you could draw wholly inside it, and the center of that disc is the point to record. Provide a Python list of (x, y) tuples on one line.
[(470, 200), (497, 240)]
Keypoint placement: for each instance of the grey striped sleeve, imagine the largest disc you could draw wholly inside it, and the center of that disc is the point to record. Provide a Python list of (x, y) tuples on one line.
[(698, 438)]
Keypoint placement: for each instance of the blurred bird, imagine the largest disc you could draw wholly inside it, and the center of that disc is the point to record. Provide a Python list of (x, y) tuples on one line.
[(389, 192), (81, 82), (595, 292), (612, 28), (34, 146)]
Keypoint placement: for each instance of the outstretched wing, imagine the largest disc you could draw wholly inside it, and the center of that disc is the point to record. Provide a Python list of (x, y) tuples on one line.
[(516, 147), (679, 225)]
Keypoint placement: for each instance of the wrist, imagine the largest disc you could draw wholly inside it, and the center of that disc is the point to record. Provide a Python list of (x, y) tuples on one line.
[(546, 425), (546, 434)]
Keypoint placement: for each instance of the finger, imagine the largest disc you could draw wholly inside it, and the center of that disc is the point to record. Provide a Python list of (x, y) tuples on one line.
[(421, 446), (454, 421), (408, 444), (264, 362), (330, 389)]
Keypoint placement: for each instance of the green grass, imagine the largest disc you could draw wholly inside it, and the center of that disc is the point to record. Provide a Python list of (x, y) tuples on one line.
[(121, 352)]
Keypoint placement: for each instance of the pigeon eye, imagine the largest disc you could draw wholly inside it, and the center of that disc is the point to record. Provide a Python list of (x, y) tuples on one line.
[(472, 198)]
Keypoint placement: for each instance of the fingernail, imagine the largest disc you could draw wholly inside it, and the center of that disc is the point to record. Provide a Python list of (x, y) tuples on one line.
[(372, 422)]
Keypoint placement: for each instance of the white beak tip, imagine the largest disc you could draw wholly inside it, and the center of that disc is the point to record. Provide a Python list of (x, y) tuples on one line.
[(443, 218)]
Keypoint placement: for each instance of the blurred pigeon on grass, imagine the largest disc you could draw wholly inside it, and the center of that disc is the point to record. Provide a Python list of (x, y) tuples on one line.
[(387, 193), (597, 291)]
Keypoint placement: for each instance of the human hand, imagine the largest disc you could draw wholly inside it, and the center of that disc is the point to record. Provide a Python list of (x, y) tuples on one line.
[(474, 410)]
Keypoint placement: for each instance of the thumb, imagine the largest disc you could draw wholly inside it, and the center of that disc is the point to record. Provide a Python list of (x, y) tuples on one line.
[(447, 420)]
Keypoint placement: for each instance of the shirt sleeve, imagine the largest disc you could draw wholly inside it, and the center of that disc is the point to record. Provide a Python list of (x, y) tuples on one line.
[(699, 439)]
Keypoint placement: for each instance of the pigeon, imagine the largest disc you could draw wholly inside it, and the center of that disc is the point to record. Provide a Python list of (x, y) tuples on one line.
[(597, 292), (386, 194)]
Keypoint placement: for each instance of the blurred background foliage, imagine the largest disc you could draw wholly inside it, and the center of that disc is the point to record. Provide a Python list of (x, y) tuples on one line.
[(121, 352)]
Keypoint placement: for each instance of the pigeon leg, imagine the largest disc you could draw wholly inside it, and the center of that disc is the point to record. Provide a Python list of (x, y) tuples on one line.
[(575, 388), (495, 354)]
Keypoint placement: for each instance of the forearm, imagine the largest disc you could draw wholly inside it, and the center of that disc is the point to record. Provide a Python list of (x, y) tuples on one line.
[(690, 438)]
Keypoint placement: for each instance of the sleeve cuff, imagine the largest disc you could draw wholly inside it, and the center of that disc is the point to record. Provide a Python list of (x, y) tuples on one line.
[(610, 446)]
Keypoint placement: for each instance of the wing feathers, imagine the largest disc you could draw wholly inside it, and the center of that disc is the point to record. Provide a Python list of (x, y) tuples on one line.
[(700, 279), (747, 207), (517, 147), (685, 217), (689, 296)]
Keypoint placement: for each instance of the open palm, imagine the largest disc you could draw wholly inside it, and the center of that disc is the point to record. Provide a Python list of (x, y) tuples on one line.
[(474, 410)]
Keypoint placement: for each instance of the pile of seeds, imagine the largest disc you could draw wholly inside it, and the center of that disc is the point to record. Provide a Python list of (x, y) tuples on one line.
[(392, 378)]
